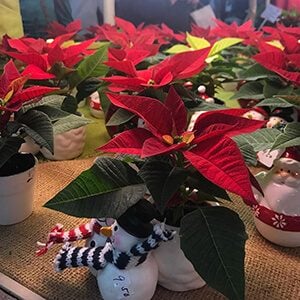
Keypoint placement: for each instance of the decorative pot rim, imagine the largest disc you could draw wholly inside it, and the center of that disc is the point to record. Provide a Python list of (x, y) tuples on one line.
[(276, 220)]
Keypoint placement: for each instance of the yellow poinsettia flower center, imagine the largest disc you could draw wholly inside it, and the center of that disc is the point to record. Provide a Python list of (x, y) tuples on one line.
[(151, 82), (187, 137)]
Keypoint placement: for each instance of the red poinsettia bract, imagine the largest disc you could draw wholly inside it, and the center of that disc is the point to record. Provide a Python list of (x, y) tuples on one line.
[(176, 67), (56, 29), (208, 147), (40, 56), (13, 94)]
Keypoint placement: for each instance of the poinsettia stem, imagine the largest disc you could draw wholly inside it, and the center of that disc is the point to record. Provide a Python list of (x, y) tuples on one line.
[(4, 120), (179, 160)]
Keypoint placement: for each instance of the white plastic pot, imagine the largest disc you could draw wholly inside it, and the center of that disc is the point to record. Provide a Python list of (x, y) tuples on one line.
[(16, 192)]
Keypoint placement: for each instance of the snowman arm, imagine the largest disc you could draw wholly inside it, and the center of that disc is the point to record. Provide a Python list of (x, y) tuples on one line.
[(158, 235), (58, 235), (72, 257)]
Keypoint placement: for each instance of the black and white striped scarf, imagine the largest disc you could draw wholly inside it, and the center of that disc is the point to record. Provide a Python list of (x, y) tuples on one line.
[(99, 257)]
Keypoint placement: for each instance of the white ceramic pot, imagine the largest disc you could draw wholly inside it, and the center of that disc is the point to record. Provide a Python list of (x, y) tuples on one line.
[(16, 192), (67, 145), (175, 271)]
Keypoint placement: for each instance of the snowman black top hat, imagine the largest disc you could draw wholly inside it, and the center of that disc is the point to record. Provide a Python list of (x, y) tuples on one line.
[(136, 219)]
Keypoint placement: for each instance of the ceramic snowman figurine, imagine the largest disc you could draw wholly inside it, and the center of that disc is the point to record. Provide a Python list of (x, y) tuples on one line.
[(277, 212), (126, 269)]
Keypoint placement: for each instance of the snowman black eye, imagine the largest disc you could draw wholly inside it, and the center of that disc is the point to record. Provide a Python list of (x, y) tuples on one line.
[(92, 244), (116, 228)]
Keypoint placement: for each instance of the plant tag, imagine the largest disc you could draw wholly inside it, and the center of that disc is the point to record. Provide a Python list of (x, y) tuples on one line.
[(271, 13), (122, 285), (204, 17), (267, 157)]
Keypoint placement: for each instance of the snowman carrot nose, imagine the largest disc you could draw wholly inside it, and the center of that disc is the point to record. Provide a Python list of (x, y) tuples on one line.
[(106, 231)]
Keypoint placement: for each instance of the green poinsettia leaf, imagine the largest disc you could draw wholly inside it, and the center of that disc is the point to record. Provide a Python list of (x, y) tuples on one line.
[(249, 90), (196, 42), (260, 139), (51, 100), (104, 101), (246, 149), (289, 138), (274, 102), (206, 106), (293, 99), (8, 147), (38, 126), (53, 113), (91, 66), (178, 49), (162, 180), (222, 44), (199, 182), (69, 104), (107, 189), (69, 122), (119, 117), (213, 239), (271, 89), (255, 72)]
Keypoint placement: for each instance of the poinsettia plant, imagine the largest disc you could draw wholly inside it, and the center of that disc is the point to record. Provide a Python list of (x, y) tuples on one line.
[(181, 168), (276, 67), (15, 124)]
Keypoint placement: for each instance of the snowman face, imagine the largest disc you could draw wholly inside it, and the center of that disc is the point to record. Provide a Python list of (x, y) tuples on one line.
[(287, 172), (105, 221), (121, 239)]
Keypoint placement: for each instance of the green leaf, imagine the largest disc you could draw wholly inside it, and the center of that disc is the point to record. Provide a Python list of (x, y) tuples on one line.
[(289, 138), (199, 182), (261, 139), (51, 100), (247, 150), (39, 127), (8, 147), (256, 71), (53, 113), (107, 189), (178, 49), (69, 122), (91, 66), (213, 239), (274, 102), (104, 101), (223, 44), (271, 89), (163, 180), (69, 104), (120, 116), (196, 42), (293, 99), (249, 90)]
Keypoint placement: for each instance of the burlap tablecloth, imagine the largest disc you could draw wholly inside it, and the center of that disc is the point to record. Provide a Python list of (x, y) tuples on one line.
[(272, 272)]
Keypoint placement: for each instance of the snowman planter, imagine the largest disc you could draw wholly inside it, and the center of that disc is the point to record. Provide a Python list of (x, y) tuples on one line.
[(176, 272), (277, 212), (125, 268)]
